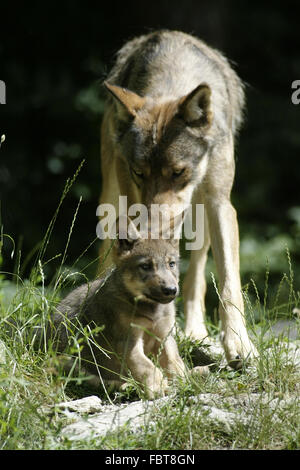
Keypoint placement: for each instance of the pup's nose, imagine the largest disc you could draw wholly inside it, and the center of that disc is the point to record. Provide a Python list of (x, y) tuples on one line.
[(169, 290)]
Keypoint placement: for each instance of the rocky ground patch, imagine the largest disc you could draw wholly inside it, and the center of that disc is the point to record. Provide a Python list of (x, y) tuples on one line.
[(92, 416)]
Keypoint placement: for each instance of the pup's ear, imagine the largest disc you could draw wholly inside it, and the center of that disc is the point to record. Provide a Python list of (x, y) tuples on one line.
[(128, 102), (195, 107), (175, 243), (127, 236)]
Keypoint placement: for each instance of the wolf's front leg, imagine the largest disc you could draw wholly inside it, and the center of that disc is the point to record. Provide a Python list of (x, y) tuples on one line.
[(224, 235), (194, 286)]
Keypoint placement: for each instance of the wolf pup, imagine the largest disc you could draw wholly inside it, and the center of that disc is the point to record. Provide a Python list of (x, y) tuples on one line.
[(174, 107), (135, 305)]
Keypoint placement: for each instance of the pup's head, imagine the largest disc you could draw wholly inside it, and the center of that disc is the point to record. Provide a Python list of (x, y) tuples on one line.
[(148, 268), (163, 142)]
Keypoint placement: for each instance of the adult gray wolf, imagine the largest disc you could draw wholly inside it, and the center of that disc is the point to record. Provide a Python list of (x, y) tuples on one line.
[(174, 108)]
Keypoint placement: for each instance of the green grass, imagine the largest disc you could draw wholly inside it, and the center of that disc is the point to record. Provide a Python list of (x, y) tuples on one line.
[(31, 379)]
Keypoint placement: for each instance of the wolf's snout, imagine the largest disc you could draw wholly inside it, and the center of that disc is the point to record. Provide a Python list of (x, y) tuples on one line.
[(169, 291)]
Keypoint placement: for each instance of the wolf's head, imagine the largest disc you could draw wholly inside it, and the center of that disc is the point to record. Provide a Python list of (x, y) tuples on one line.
[(148, 268), (163, 142)]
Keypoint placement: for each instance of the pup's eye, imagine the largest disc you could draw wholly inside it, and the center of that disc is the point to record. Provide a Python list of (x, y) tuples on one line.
[(146, 266), (138, 173), (177, 173), (172, 264)]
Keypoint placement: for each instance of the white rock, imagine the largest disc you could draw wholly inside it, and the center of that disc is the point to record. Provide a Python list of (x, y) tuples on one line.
[(85, 405), (112, 417)]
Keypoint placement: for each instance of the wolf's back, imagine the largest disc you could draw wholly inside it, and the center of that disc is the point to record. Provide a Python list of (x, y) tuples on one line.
[(171, 64)]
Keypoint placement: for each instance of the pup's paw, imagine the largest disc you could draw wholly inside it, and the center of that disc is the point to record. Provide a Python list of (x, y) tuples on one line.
[(200, 370), (175, 368), (156, 388)]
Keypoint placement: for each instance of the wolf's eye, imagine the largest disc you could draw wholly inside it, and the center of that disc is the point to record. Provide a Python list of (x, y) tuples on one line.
[(172, 264), (177, 173), (138, 173), (146, 266)]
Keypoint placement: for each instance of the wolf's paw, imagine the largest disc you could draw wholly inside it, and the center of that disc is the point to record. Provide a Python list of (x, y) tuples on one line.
[(197, 331), (237, 346)]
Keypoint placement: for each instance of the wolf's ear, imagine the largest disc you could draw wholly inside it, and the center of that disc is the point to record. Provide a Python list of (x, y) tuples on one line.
[(195, 107), (128, 102), (127, 236)]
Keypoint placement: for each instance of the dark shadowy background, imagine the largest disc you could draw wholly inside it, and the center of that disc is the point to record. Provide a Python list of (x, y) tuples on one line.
[(53, 57)]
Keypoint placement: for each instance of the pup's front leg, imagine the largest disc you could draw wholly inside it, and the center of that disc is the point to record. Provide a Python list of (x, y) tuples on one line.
[(170, 360), (168, 354), (144, 371)]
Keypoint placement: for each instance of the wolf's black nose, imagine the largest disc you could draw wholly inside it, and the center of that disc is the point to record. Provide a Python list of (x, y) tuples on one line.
[(169, 290)]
